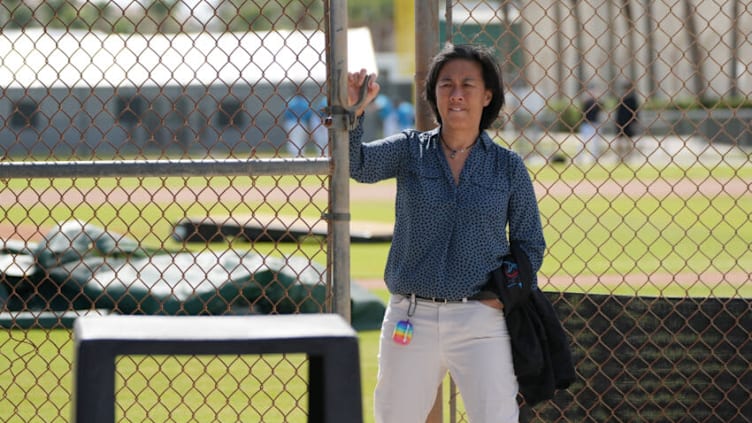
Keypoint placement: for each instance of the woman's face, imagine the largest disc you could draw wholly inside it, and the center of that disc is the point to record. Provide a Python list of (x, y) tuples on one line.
[(461, 95)]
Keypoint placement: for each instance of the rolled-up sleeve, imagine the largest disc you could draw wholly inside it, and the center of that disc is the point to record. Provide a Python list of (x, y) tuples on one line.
[(375, 160)]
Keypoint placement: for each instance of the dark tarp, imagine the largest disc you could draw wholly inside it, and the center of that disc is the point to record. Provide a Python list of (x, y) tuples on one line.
[(80, 267), (266, 228)]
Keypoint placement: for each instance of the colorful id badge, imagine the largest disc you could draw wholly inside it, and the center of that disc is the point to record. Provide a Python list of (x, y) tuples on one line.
[(403, 332)]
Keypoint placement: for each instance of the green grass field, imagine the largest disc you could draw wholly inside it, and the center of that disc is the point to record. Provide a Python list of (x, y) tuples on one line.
[(600, 235), (36, 383)]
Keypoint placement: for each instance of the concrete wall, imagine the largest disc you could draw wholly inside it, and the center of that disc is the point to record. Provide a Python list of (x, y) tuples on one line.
[(85, 122)]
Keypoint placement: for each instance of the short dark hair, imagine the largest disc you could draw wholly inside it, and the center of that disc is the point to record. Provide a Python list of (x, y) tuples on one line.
[(491, 78)]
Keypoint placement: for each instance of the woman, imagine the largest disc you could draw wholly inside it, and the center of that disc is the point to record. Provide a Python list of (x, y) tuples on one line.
[(457, 194)]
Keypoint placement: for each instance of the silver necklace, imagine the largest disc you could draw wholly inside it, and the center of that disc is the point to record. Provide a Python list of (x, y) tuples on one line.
[(453, 152)]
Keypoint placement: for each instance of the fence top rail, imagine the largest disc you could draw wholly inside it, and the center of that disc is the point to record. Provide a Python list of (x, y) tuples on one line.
[(211, 328), (163, 168)]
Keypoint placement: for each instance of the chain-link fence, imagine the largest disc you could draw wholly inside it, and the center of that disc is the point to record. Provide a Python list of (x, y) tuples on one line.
[(634, 118), (167, 158), (170, 158)]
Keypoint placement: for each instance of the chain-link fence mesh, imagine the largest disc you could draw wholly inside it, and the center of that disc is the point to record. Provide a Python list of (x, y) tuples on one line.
[(633, 117), (164, 103)]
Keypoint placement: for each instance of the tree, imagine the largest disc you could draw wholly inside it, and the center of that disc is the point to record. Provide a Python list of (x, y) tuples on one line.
[(378, 16), (159, 18), (649, 19), (59, 14), (244, 15), (734, 62), (15, 14), (626, 10), (698, 78), (98, 16), (560, 50), (611, 47), (579, 47)]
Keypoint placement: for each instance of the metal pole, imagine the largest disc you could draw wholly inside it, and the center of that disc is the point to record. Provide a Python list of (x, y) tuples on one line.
[(426, 46), (560, 91), (611, 48), (140, 168), (734, 50), (580, 49), (650, 44), (339, 183)]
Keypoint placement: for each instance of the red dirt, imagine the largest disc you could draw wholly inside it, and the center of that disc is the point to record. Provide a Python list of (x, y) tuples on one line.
[(385, 190)]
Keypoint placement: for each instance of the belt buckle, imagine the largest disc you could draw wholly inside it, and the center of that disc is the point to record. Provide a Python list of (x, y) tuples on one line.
[(435, 300)]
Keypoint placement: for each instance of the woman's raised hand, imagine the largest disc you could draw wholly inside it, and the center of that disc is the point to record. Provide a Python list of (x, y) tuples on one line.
[(355, 81)]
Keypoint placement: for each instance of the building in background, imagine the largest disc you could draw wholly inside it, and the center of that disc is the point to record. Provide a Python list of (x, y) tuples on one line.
[(86, 93)]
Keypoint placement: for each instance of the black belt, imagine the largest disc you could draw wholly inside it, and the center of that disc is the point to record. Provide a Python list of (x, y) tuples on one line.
[(479, 296), (440, 300)]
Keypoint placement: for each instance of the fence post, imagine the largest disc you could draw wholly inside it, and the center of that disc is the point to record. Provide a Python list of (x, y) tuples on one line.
[(339, 194), (426, 46)]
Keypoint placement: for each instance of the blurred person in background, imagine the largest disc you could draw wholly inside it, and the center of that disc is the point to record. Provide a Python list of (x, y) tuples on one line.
[(528, 115), (319, 131), (626, 121), (405, 115), (387, 112), (591, 142), (296, 119)]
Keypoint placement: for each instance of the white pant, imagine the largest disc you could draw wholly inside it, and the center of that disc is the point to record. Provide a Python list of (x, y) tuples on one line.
[(321, 138), (470, 340), (298, 137), (591, 142)]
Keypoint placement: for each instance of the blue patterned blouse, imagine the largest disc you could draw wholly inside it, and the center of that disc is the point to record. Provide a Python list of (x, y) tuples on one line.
[(448, 237)]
